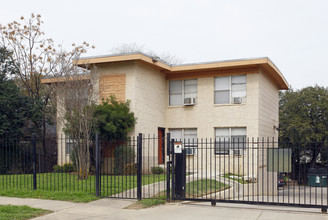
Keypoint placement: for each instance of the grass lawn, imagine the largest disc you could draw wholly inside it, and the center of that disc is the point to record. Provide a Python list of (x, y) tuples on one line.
[(158, 200), (204, 187), (239, 180), (20, 212), (65, 186)]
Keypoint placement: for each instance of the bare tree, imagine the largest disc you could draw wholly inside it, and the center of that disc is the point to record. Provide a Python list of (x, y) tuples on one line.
[(35, 57), (76, 96), (164, 57)]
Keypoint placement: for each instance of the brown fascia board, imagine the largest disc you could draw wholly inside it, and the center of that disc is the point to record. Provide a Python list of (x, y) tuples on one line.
[(228, 64), (264, 62), (89, 61)]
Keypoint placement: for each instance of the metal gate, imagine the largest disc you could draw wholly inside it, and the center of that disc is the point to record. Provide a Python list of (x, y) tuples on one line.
[(237, 170), (130, 169), (251, 171)]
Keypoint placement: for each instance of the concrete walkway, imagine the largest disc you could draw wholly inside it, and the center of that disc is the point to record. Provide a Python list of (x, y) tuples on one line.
[(114, 209)]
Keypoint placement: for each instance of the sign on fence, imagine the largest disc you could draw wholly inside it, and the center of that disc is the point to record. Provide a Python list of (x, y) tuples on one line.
[(279, 160)]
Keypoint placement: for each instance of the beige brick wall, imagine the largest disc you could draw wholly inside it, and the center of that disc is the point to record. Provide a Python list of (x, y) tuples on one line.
[(112, 85)]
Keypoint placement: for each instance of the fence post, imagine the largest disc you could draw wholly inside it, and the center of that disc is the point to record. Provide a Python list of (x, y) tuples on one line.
[(168, 175), (139, 170), (34, 160), (173, 170), (97, 166)]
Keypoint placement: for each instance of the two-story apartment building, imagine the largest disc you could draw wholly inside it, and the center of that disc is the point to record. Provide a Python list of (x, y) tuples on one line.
[(222, 100), (214, 99)]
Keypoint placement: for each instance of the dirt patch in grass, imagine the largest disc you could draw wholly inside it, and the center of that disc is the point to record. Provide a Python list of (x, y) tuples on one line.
[(135, 206), (158, 199)]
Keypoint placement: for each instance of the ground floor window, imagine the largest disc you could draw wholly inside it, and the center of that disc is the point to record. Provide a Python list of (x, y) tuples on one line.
[(188, 136), (230, 140), (69, 145)]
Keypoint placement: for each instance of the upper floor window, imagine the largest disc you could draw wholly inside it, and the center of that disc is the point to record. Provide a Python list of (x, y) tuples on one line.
[(230, 140), (230, 89), (188, 137), (182, 89)]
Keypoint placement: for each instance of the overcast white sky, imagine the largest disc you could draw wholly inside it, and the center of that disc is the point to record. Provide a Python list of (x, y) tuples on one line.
[(292, 33)]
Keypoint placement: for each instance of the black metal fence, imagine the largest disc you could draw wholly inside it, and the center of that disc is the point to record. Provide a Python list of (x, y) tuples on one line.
[(121, 169), (254, 171), (133, 166), (27, 164)]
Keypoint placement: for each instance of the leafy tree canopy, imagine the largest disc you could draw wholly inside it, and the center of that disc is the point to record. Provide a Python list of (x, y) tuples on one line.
[(304, 114), (114, 119), (15, 108)]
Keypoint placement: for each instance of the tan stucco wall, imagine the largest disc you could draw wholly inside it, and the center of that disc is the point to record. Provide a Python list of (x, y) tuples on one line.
[(112, 70), (268, 106), (205, 115), (150, 99), (62, 157), (145, 87), (268, 122)]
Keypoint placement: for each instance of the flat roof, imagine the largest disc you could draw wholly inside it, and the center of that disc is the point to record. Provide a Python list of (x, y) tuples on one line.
[(263, 62)]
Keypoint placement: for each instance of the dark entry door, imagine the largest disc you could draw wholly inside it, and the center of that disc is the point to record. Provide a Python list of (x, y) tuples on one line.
[(161, 152)]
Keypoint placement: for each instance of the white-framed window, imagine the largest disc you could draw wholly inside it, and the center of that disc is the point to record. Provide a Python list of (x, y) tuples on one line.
[(230, 89), (230, 140), (181, 89), (188, 137)]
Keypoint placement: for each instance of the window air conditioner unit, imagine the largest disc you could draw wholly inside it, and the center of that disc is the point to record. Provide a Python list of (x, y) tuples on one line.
[(191, 150), (237, 100), (238, 152), (189, 101)]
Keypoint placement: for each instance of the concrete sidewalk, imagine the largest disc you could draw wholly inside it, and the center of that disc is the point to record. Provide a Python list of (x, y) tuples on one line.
[(114, 209)]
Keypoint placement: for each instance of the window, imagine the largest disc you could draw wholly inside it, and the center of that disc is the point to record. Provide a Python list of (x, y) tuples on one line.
[(230, 140), (69, 145), (230, 89), (188, 137), (181, 89)]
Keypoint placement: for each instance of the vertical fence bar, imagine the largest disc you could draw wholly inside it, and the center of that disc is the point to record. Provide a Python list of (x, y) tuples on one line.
[(139, 161), (2, 167), (97, 166), (34, 161), (206, 165), (273, 168), (324, 209), (168, 153), (173, 170), (6, 164)]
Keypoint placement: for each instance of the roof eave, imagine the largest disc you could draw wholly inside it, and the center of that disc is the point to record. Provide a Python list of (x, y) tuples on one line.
[(264, 62), (85, 62)]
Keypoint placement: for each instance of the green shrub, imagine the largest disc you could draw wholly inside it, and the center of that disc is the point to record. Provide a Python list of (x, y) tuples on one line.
[(58, 169), (130, 169), (123, 155), (73, 157), (157, 170), (68, 167)]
